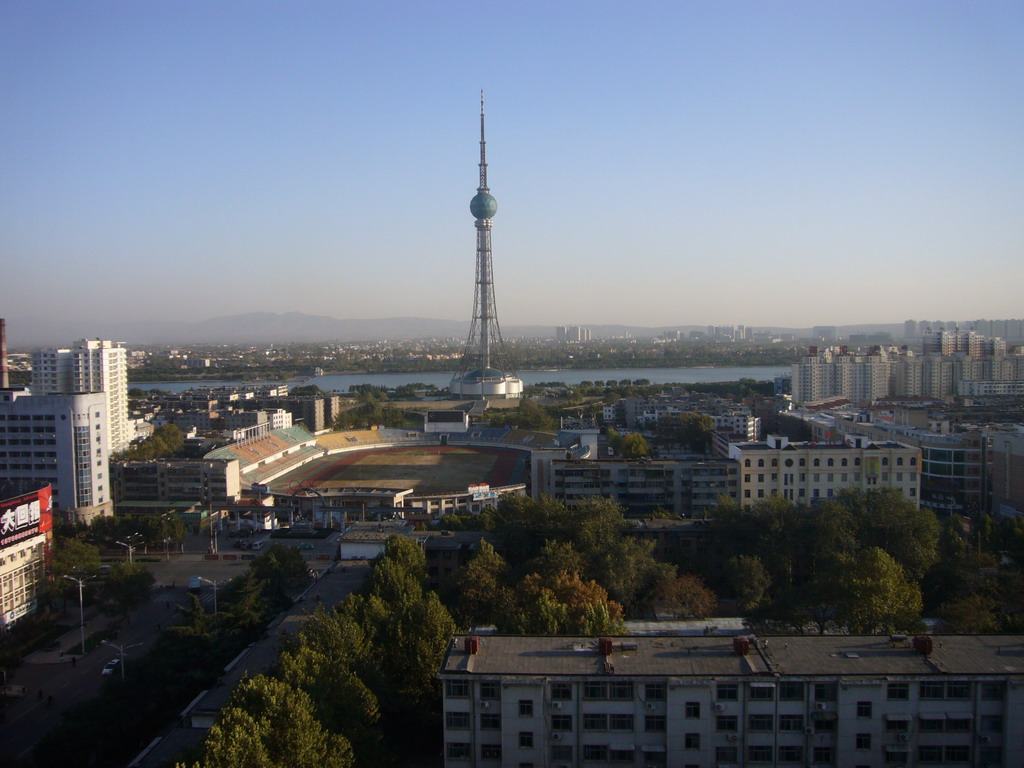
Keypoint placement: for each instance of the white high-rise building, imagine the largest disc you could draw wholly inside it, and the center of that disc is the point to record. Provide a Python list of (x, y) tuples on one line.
[(89, 366), (61, 440)]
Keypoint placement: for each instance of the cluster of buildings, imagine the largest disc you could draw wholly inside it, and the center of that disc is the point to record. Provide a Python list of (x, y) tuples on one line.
[(952, 363)]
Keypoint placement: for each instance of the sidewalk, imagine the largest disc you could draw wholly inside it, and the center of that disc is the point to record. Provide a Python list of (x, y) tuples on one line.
[(70, 643)]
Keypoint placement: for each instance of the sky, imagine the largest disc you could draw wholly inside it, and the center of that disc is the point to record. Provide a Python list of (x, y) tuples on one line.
[(654, 163)]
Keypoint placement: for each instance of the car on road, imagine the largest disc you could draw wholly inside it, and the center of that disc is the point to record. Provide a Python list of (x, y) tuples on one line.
[(110, 667)]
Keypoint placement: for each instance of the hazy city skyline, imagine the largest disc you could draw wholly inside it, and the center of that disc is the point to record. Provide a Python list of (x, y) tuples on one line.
[(795, 164)]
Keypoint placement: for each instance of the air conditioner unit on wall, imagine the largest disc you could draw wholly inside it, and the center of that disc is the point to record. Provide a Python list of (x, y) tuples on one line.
[(652, 706), (556, 705), (733, 737), (902, 737), (556, 737), (485, 705), (719, 707), (821, 707)]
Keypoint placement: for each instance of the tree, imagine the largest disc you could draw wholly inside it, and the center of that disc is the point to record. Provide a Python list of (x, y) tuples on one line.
[(750, 581), (693, 430), (885, 518), (634, 446), (562, 605), (71, 557), (268, 723), (875, 595), (685, 596), (127, 587), (483, 594)]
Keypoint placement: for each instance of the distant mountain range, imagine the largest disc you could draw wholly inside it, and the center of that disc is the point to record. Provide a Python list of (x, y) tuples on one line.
[(291, 327)]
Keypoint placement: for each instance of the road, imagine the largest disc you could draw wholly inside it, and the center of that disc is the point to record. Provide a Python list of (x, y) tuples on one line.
[(29, 718)]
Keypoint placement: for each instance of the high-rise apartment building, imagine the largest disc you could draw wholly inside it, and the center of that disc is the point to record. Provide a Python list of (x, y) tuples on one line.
[(61, 440), (89, 366)]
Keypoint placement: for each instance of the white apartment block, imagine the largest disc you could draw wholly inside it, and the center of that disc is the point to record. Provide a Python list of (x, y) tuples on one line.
[(89, 366), (61, 440), (805, 472), (723, 702), (834, 373)]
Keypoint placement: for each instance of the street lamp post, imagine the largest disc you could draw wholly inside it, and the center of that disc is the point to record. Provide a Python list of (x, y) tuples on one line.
[(81, 605), (129, 545), (121, 649), (215, 584)]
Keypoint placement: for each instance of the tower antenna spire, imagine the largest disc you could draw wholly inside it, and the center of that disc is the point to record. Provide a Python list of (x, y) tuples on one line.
[(483, 149)]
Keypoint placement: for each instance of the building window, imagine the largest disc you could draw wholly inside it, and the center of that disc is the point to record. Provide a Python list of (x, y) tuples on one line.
[(897, 726), (929, 754), (655, 691), (561, 722), (621, 755), (456, 689), (561, 692), (791, 754), (526, 739), (457, 750), (824, 724), (932, 723), (691, 741), (692, 709), (525, 708), (863, 709), (896, 756), (760, 722), (620, 722), (456, 719), (759, 754), (898, 691), (933, 690), (958, 724), (791, 691), (992, 691), (863, 741), (791, 722), (490, 722), (992, 723), (823, 755), (726, 754), (489, 690), (654, 723), (958, 690), (561, 752), (726, 723), (762, 692), (595, 722), (621, 690), (490, 751), (595, 752), (958, 754), (727, 692), (595, 690), (825, 691)]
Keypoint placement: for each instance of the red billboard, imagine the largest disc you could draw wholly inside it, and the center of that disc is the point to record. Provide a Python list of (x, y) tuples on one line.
[(25, 516)]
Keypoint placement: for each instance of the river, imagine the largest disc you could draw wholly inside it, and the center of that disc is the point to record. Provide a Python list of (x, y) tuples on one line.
[(342, 382)]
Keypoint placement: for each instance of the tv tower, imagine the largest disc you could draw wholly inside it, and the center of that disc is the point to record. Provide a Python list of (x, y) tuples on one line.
[(485, 370)]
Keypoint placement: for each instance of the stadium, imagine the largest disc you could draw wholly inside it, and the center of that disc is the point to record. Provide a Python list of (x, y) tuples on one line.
[(426, 474)]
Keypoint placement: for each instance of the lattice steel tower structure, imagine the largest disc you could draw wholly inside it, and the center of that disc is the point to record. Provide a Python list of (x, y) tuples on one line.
[(485, 370)]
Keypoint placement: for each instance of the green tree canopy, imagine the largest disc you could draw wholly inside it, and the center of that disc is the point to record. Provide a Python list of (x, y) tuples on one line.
[(635, 446), (268, 723)]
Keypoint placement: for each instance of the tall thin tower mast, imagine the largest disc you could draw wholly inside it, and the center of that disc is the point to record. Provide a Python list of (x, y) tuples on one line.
[(485, 370)]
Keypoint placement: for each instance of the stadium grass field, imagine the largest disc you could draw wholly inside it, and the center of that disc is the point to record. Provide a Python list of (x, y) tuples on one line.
[(427, 470)]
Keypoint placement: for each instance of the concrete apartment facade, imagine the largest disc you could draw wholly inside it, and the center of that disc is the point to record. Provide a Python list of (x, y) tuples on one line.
[(806, 472), (89, 366), (215, 481), (641, 486), (698, 701), (61, 440)]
